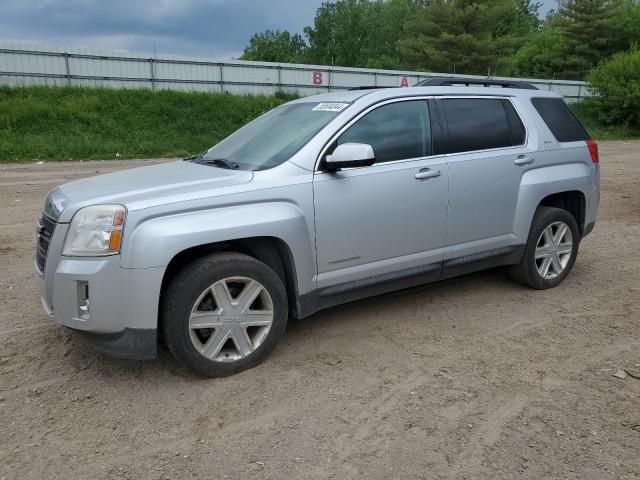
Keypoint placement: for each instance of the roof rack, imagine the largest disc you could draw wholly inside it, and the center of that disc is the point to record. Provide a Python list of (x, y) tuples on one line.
[(450, 81), (367, 87)]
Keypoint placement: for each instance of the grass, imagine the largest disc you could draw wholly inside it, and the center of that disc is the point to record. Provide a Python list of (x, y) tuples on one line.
[(44, 123), (71, 123)]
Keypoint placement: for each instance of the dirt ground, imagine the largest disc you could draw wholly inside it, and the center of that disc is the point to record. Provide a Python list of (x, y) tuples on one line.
[(472, 378)]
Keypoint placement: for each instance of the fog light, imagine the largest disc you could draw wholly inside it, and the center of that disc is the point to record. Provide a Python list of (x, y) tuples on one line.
[(83, 300)]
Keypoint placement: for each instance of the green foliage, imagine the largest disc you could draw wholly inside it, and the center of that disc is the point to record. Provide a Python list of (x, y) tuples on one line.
[(591, 34), (358, 33), (616, 83), (598, 130), (503, 37), (540, 57), (516, 18), (277, 46), (466, 36), (385, 21), (81, 123), (339, 33), (449, 36), (575, 39)]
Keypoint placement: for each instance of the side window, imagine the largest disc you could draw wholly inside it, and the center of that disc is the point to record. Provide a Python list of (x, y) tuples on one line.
[(476, 124), (396, 131), (518, 133), (560, 119)]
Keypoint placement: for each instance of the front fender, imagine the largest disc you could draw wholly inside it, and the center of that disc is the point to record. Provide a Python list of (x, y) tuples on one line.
[(541, 182), (155, 241)]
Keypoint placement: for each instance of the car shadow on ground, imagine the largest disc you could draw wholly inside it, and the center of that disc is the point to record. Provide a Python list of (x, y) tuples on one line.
[(84, 357)]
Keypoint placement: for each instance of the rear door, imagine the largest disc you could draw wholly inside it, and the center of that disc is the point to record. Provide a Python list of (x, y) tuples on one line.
[(486, 146), (388, 218)]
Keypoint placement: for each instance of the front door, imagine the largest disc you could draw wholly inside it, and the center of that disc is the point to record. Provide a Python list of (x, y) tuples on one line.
[(390, 217)]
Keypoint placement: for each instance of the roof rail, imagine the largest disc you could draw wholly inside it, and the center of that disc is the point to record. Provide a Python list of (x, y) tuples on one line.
[(367, 87), (450, 81)]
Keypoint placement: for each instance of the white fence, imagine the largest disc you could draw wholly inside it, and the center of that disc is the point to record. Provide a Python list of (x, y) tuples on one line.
[(96, 68)]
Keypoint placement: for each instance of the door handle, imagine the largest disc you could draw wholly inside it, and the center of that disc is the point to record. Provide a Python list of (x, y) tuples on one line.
[(524, 160), (427, 173)]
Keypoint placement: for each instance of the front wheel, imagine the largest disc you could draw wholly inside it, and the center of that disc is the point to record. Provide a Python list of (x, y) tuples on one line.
[(550, 251), (224, 313)]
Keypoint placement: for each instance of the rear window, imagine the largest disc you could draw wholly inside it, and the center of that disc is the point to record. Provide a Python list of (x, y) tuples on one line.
[(560, 119), (476, 124)]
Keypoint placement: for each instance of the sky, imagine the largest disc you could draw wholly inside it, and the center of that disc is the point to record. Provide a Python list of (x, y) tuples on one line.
[(197, 28)]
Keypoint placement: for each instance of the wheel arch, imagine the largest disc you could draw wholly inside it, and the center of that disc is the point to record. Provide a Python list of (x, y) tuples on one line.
[(565, 186), (272, 251), (573, 201)]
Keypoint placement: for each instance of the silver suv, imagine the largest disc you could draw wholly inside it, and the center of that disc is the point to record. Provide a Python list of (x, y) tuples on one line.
[(321, 201)]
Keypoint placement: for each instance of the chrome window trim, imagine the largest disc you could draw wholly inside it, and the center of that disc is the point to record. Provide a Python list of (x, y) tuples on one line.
[(370, 108)]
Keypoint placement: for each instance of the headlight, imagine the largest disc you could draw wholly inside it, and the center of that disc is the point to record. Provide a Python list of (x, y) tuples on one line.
[(55, 203), (95, 231)]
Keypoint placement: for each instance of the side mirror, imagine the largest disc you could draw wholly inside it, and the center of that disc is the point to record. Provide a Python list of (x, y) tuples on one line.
[(350, 155)]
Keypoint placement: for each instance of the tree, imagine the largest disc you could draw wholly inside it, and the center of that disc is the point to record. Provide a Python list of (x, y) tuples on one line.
[(359, 33), (337, 36), (576, 38), (616, 83), (541, 55), (515, 22), (385, 22), (591, 34), (500, 37), (275, 46), (516, 18), (451, 36)]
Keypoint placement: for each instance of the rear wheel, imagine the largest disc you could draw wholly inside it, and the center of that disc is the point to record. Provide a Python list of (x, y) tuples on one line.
[(224, 313), (551, 249)]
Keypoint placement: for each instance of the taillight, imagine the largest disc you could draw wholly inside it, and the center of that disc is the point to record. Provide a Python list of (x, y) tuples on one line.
[(593, 151)]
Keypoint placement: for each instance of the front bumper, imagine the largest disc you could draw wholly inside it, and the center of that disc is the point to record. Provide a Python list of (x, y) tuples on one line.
[(131, 343), (121, 315)]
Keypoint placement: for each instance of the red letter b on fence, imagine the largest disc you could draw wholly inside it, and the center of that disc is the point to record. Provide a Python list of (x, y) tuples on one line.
[(317, 78)]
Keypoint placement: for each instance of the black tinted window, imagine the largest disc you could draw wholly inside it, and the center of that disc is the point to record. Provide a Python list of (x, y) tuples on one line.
[(476, 124), (396, 131), (560, 119), (518, 132)]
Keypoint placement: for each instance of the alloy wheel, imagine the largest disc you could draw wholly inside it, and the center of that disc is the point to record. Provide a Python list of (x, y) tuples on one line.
[(553, 250), (231, 319)]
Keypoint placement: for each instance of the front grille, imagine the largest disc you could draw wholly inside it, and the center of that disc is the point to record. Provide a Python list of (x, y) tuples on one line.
[(46, 226)]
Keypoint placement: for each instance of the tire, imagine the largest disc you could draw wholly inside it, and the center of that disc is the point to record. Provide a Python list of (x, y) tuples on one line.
[(530, 270), (209, 320)]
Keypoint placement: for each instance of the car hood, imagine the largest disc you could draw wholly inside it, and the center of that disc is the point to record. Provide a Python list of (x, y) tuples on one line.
[(138, 186)]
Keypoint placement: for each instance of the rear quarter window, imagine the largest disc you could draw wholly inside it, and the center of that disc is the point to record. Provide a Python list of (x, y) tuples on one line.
[(562, 122), (518, 132)]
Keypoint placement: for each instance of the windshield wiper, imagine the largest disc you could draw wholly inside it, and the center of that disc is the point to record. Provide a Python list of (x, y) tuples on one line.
[(221, 162), (217, 162)]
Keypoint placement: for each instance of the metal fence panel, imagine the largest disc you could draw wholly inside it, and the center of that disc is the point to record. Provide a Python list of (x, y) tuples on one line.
[(51, 65), (189, 72), (32, 63)]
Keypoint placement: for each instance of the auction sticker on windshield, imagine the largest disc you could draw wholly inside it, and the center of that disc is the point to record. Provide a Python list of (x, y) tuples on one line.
[(330, 107)]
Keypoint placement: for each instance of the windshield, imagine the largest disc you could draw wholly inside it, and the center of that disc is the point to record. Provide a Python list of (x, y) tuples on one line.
[(274, 137)]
